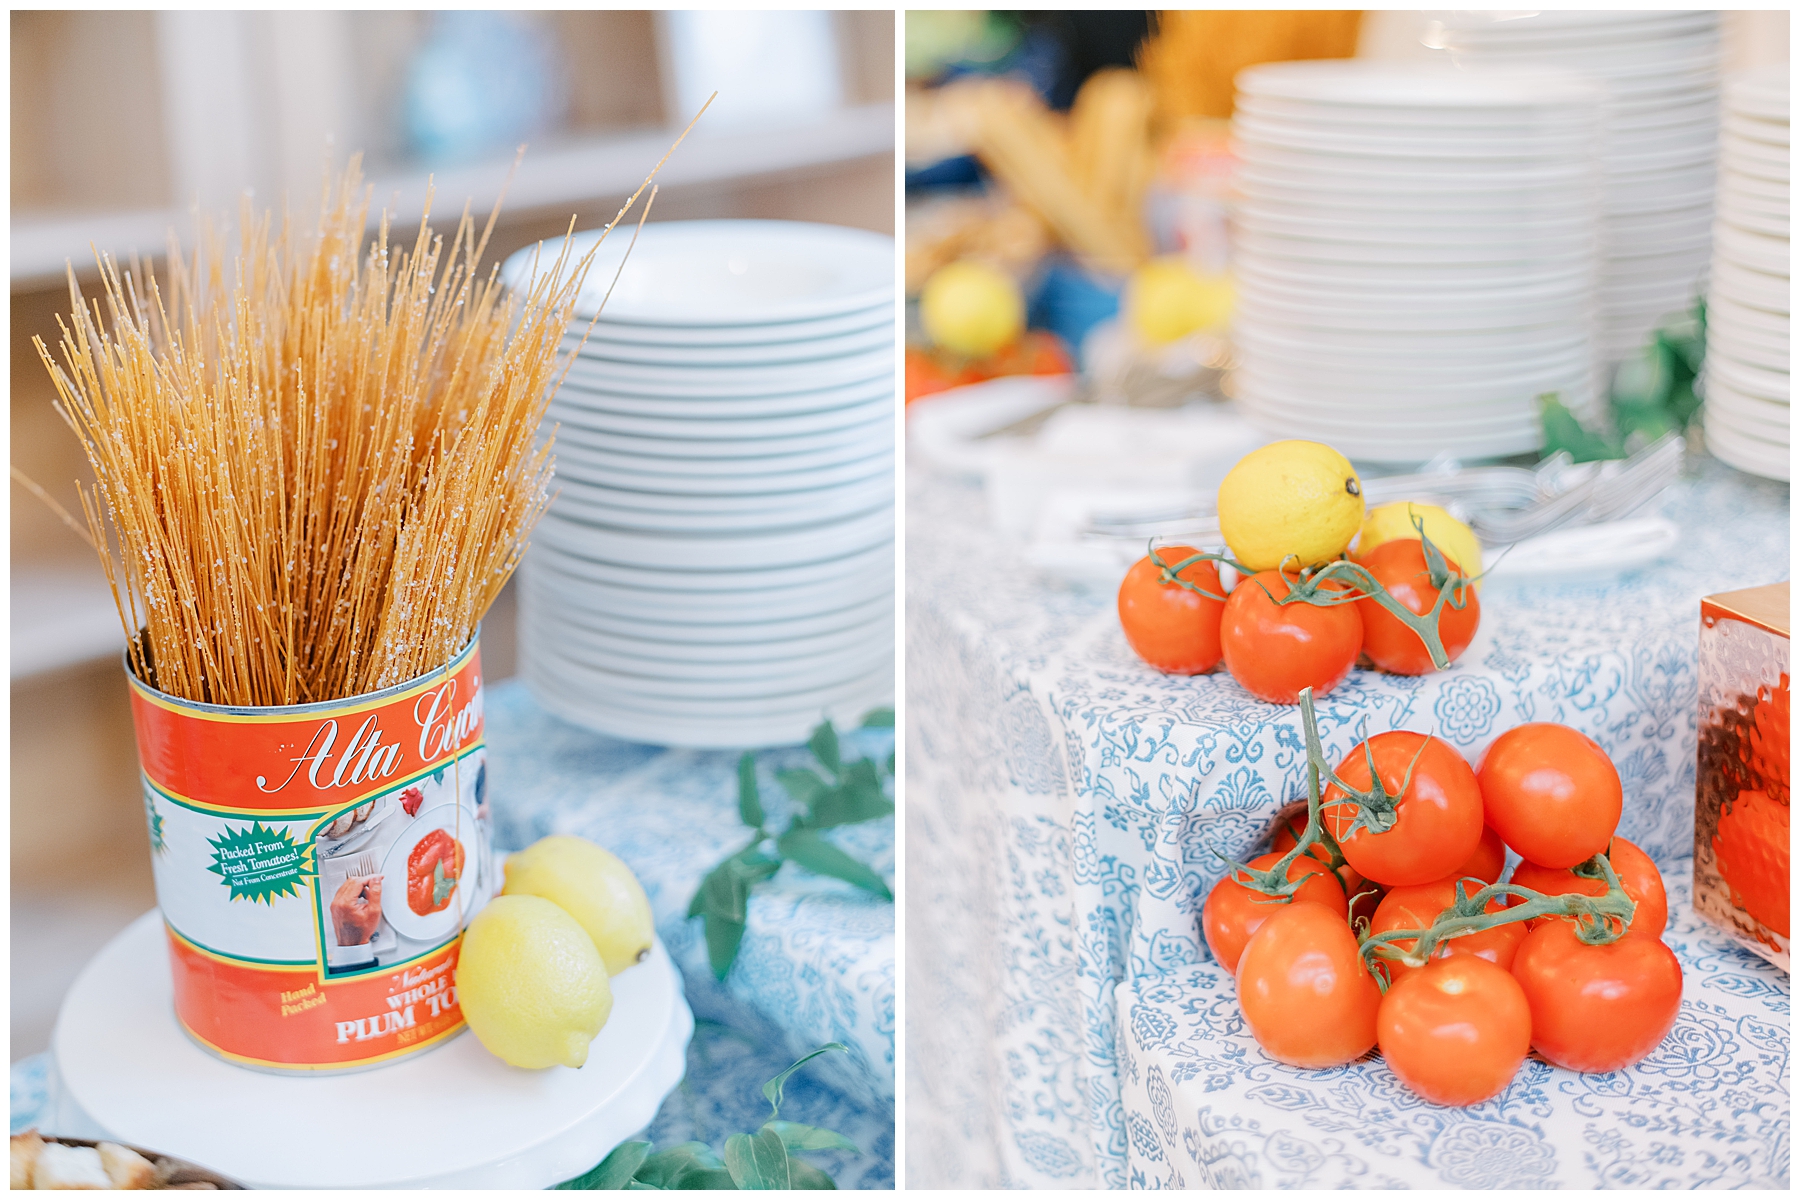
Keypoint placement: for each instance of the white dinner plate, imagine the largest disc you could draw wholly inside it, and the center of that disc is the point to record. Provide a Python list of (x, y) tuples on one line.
[(739, 406), (1743, 451), (870, 436), (880, 316), (606, 350), (753, 725), (571, 411), (739, 380), (563, 610), (651, 553), (727, 272)]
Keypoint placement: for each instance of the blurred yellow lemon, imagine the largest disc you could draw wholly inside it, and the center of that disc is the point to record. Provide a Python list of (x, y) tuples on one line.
[(1390, 522), (971, 309), (592, 885), (1290, 500), (531, 984), (1165, 300)]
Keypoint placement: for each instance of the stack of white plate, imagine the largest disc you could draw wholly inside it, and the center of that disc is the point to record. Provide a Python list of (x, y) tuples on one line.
[(1415, 254), (1661, 71), (717, 568), (1746, 383)]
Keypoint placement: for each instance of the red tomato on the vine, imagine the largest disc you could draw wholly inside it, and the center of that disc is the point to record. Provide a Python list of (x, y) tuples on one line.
[(1276, 650), (1399, 566), (1636, 872), (1171, 628), (1597, 1008), (1455, 1031), (1306, 995), (1416, 907), (1551, 792), (1234, 913), (1487, 863), (1438, 823)]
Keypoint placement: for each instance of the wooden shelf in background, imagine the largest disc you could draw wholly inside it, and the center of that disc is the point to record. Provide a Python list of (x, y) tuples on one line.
[(557, 176)]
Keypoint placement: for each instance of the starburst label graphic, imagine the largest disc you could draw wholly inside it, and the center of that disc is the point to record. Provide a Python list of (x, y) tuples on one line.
[(260, 864)]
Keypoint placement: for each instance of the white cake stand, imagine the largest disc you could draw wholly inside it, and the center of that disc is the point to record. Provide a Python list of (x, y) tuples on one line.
[(455, 1116)]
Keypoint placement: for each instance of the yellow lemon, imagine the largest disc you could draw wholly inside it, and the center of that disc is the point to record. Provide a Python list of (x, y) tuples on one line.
[(592, 885), (531, 984), (1389, 522), (1294, 500), (1165, 300), (972, 309)]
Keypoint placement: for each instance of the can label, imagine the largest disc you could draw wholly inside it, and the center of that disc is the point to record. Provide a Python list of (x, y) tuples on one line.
[(317, 864)]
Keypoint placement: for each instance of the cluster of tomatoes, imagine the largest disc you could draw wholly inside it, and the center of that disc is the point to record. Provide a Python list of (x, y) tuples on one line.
[(1387, 926), (1280, 631)]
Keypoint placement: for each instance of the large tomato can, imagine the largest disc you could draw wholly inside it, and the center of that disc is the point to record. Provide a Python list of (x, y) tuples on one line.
[(316, 866)]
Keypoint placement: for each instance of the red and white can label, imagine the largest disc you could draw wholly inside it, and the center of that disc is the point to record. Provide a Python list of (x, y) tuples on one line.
[(317, 864)]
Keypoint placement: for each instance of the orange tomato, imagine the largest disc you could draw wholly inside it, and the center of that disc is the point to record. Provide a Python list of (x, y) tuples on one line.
[(1636, 872), (1234, 913), (1418, 906)]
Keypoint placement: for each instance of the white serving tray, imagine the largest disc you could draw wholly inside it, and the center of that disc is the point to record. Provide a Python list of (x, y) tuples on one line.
[(454, 1116)]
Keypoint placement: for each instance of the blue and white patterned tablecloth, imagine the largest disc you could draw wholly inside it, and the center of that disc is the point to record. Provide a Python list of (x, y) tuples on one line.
[(817, 960), (1063, 799), (1709, 1108)]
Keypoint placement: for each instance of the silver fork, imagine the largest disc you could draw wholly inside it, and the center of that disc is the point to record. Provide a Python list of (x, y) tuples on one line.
[(1502, 504), (365, 865)]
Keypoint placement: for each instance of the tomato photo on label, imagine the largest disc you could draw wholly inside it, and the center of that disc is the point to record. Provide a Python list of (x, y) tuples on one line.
[(1234, 912), (1551, 792), (1400, 567), (1416, 907), (1306, 996), (1597, 1008), (1275, 650), (1438, 816), (1637, 874), (1169, 626), (1456, 1031)]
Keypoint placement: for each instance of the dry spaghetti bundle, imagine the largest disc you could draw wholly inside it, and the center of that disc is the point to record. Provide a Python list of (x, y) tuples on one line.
[(317, 466)]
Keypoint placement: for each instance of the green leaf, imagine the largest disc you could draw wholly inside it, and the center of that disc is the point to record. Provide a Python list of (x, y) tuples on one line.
[(772, 1089), (749, 801), (810, 850), (691, 1166), (878, 718), (797, 1137), (613, 1173), (1562, 431), (802, 784), (722, 938), (858, 798), (804, 1175), (758, 1162), (824, 745)]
